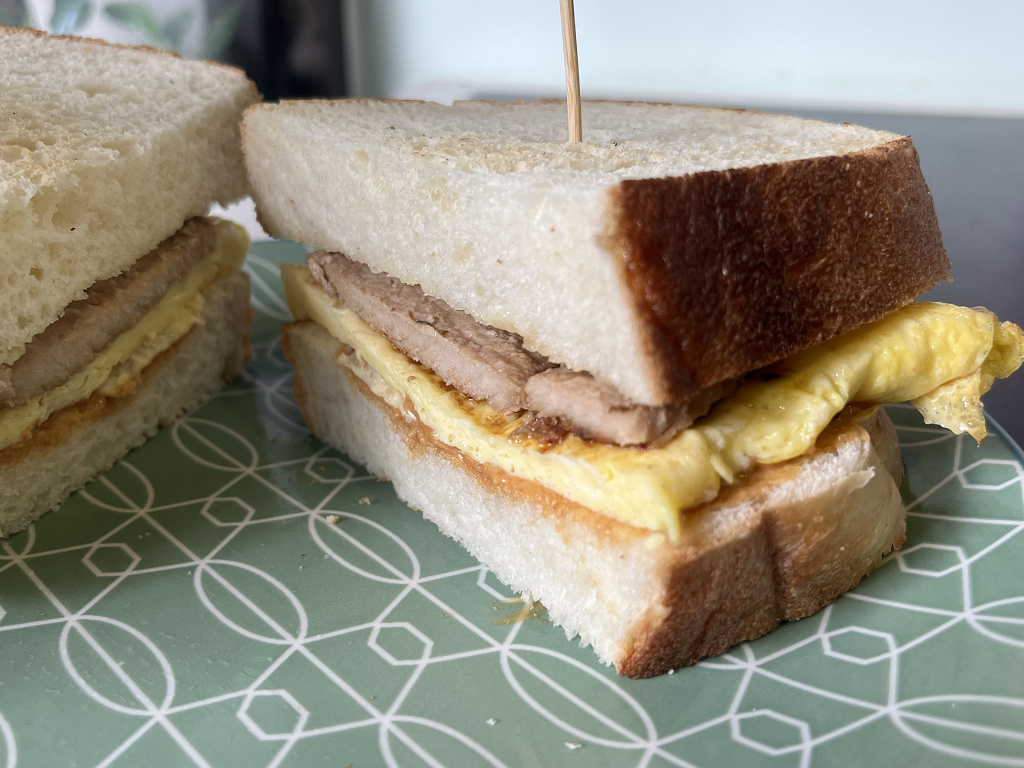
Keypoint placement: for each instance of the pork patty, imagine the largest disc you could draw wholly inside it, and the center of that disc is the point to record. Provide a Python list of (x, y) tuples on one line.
[(483, 362), (487, 363), (109, 309)]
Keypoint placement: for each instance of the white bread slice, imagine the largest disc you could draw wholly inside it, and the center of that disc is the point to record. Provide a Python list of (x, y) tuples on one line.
[(73, 445), (105, 151), (675, 247), (791, 538)]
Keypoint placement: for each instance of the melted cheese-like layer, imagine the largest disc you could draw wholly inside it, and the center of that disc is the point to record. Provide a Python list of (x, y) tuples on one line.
[(120, 362), (926, 351)]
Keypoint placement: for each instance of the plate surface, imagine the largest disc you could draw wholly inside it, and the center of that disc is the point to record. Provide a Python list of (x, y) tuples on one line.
[(235, 593)]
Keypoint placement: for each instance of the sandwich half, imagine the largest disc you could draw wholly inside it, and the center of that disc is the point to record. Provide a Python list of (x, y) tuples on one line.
[(121, 305), (638, 377)]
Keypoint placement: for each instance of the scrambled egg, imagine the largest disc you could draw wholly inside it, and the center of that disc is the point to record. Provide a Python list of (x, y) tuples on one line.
[(940, 356), (115, 367)]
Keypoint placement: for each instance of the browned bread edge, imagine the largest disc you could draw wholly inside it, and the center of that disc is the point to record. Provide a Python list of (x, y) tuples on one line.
[(732, 270), (784, 562)]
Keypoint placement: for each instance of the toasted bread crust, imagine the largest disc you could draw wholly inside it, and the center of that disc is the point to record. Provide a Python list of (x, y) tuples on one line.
[(781, 563), (779, 546), (735, 269)]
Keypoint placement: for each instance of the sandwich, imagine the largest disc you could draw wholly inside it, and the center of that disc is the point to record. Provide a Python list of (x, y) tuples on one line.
[(122, 306), (639, 377)]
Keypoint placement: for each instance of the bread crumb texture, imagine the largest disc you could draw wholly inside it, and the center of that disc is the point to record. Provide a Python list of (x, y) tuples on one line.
[(104, 151)]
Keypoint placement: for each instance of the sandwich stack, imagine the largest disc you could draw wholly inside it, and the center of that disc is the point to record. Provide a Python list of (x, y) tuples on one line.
[(639, 377), (121, 305)]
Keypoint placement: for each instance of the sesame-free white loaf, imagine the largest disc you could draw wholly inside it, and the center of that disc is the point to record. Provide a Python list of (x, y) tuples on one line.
[(80, 441), (105, 151), (788, 540), (674, 247)]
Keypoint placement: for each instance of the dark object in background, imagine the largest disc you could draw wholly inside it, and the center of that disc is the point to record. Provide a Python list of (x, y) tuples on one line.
[(290, 48)]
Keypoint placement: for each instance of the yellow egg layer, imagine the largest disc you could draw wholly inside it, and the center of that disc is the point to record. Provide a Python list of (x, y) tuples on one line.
[(946, 356), (117, 365)]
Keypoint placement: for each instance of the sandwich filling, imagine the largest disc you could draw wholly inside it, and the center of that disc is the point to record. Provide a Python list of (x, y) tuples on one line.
[(103, 342), (491, 364), (939, 356)]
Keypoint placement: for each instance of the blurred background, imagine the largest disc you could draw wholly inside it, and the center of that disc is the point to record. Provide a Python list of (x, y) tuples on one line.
[(924, 56), (946, 57), (950, 73)]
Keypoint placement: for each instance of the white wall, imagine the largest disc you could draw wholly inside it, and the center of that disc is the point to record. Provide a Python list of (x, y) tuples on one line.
[(935, 56)]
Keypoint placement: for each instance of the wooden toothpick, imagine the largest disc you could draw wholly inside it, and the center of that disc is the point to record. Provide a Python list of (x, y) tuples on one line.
[(572, 71)]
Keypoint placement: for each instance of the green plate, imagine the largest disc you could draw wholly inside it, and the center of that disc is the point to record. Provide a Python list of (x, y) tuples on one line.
[(235, 593)]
